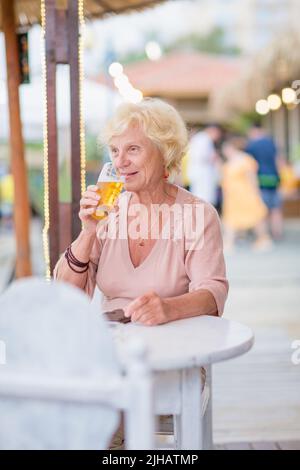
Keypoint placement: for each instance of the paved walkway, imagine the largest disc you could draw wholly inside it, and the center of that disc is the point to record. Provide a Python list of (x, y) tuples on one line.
[(281, 445), (257, 396), (7, 252), (7, 255)]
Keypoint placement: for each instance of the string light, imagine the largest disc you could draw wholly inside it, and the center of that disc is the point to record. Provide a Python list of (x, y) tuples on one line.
[(153, 50), (274, 102), (46, 249), (262, 107), (288, 95), (122, 83), (81, 109), (115, 69), (45, 147)]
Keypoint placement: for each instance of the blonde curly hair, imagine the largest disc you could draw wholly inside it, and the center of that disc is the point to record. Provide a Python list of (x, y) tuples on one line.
[(160, 122)]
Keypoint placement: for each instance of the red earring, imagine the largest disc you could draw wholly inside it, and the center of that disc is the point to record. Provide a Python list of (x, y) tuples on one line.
[(166, 175)]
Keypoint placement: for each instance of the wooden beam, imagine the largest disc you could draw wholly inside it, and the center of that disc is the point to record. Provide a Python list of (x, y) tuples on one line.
[(73, 36), (52, 131), (62, 55), (107, 8), (18, 166)]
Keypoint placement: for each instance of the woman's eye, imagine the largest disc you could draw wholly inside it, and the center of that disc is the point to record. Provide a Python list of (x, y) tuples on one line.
[(133, 148)]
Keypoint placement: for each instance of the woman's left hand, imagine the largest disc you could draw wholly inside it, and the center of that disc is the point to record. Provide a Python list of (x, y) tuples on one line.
[(149, 309)]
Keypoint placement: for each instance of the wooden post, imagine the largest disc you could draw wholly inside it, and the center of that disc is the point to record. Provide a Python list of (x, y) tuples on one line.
[(21, 197), (73, 39), (286, 132), (62, 36), (52, 131)]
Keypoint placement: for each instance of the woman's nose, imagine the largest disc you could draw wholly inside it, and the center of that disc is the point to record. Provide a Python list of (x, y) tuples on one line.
[(121, 160)]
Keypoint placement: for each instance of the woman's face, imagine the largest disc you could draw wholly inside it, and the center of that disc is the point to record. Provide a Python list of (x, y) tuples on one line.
[(136, 158)]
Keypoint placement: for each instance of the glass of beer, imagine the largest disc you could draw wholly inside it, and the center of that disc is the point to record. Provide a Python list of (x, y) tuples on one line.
[(109, 184)]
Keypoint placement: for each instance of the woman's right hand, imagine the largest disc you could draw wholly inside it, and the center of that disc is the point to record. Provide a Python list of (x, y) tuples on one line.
[(88, 203)]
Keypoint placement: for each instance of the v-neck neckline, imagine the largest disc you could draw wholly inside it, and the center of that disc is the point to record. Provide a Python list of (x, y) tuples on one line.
[(155, 244)]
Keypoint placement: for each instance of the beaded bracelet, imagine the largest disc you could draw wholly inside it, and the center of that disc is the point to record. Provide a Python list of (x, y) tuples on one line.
[(71, 259)]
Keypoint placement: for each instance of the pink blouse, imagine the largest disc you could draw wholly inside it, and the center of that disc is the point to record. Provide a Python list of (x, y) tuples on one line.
[(172, 268)]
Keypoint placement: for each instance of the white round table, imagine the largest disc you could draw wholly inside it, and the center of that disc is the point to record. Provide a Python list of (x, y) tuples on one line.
[(191, 342), (176, 353)]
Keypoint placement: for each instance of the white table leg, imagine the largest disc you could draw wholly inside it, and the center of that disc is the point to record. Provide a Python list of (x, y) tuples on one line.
[(177, 432), (207, 418), (188, 425)]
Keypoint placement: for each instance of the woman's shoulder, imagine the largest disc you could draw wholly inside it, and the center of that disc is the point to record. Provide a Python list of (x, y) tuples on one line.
[(185, 197), (200, 206)]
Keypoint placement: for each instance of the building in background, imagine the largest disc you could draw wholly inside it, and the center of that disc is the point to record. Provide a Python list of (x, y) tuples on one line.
[(190, 81)]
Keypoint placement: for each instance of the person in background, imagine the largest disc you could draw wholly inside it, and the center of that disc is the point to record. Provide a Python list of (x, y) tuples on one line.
[(202, 165), (243, 208), (263, 148), (181, 178), (185, 182), (6, 200)]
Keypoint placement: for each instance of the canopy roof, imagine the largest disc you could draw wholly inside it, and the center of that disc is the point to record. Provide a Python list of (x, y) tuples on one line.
[(28, 11), (182, 74), (274, 67)]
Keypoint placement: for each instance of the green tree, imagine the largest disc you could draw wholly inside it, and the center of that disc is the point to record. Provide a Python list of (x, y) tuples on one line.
[(213, 43)]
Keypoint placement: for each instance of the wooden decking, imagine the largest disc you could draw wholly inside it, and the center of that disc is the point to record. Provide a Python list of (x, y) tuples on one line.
[(281, 445), (165, 440), (256, 396)]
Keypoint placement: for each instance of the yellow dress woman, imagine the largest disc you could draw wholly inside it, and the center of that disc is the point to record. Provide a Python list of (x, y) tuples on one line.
[(243, 208)]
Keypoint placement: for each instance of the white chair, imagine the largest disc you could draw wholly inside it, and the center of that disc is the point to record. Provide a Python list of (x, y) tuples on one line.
[(62, 386)]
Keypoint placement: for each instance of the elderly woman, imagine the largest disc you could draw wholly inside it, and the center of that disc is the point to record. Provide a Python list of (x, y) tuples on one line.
[(153, 279)]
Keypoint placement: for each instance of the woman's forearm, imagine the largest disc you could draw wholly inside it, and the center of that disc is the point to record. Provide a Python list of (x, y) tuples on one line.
[(81, 249), (199, 302)]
